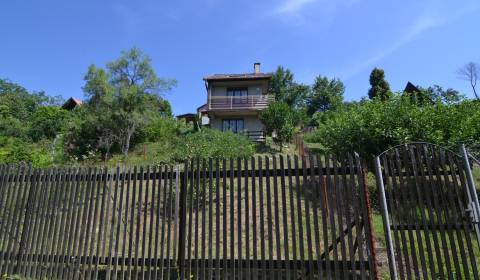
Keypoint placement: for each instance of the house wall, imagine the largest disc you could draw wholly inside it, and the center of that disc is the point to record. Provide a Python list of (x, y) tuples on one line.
[(252, 123)]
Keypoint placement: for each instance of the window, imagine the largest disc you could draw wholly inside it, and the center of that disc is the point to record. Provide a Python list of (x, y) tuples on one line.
[(235, 125), (240, 95)]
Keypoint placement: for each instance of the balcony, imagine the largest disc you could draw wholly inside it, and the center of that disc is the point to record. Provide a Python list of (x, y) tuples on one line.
[(252, 102)]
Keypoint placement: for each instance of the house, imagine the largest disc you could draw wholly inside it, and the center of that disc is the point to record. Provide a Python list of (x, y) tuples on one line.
[(234, 102), (189, 117), (411, 89), (71, 104)]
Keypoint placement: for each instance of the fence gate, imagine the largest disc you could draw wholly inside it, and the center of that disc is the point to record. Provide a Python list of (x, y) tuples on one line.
[(430, 212), (256, 218)]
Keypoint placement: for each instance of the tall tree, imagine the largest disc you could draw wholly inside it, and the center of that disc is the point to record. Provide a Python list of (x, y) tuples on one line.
[(285, 89), (471, 73), (379, 87), (126, 96), (326, 94)]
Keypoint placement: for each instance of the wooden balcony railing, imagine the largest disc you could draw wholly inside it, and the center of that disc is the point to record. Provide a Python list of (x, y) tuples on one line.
[(255, 102), (258, 136)]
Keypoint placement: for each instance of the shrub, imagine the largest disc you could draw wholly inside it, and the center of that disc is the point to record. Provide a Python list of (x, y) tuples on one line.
[(213, 143), (371, 127)]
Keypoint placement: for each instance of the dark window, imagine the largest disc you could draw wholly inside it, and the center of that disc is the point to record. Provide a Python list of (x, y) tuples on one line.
[(240, 95), (235, 125)]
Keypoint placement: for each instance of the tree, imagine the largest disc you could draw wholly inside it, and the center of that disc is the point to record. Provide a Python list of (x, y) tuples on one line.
[(47, 122), (325, 95), (470, 72), (279, 117), (379, 86), (436, 93), (286, 90), (121, 99)]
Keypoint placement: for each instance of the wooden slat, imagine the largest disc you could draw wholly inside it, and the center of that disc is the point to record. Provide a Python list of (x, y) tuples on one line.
[(306, 188), (217, 219), (269, 222), (284, 215), (254, 218), (338, 185), (299, 216), (292, 216), (262, 221), (405, 195), (247, 220), (210, 218), (204, 229), (224, 227), (165, 217), (119, 222), (232, 218)]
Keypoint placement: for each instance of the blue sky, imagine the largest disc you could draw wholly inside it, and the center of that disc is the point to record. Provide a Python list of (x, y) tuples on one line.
[(48, 45)]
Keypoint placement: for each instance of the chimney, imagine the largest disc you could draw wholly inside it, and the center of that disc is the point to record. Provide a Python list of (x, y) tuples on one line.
[(256, 67)]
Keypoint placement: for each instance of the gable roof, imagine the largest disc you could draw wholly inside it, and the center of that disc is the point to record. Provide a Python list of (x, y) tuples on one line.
[(237, 77), (71, 103), (411, 88)]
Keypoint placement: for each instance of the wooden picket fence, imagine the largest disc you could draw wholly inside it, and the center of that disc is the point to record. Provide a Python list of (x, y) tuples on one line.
[(257, 218)]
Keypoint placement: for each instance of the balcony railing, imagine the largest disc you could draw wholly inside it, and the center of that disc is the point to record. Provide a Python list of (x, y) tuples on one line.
[(255, 102), (258, 136)]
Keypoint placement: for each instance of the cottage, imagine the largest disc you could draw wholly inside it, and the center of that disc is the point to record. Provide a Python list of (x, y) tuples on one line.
[(234, 101)]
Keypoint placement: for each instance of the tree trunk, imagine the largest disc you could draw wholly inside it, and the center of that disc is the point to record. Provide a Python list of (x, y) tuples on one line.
[(128, 136)]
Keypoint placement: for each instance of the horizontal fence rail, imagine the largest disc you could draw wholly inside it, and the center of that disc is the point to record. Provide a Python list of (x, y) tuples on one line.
[(257, 218)]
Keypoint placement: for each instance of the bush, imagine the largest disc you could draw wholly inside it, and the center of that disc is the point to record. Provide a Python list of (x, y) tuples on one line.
[(15, 150), (213, 143), (371, 127)]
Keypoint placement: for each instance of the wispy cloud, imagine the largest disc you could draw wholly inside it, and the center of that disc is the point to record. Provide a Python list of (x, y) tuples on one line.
[(421, 25), (291, 7)]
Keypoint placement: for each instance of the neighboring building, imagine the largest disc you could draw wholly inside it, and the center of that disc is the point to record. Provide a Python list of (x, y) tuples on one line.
[(71, 104), (202, 113), (411, 88), (234, 101), (189, 117)]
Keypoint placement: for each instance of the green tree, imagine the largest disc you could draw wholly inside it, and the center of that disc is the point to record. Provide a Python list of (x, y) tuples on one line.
[(121, 99), (286, 90), (379, 87), (279, 118), (326, 94), (47, 122)]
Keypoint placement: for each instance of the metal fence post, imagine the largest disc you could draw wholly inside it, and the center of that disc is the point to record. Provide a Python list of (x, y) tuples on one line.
[(386, 220), (472, 192)]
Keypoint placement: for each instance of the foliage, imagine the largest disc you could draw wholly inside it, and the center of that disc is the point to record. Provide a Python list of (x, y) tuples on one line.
[(15, 150), (379, 87), (121, 101), (47, 122), (373, 126), (326, 95), (279, 118), (286, 90), (213, 143)]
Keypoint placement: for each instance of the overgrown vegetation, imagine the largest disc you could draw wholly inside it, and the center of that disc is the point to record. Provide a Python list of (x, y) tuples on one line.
[(125, 119), (370, 127)]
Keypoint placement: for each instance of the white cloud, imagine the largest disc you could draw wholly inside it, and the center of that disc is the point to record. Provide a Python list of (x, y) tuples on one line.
[(292, 6)]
